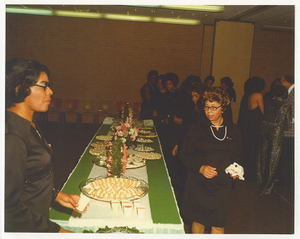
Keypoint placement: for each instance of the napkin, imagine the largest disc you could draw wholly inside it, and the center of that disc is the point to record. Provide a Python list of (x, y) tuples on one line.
[(235, 170)]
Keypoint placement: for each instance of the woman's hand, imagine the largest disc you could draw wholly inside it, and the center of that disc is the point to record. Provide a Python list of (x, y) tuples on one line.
[(175, 150), (69, 200), (61, 230), (208, 171)]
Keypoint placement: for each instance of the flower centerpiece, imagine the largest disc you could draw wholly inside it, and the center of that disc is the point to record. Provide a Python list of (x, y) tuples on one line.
[(125, 130), (116, 158)]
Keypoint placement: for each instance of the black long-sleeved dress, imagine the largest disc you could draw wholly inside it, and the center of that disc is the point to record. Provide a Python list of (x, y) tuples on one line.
[(29, 189), (206, 201)]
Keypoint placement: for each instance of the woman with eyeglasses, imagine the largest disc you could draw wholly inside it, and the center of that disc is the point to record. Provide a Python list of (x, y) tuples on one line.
[(29, 189), (209, 147)]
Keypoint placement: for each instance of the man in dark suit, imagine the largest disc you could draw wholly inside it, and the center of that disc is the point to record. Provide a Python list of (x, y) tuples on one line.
[(286, 166)]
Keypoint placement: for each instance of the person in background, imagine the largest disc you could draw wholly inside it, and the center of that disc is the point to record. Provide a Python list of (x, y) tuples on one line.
[(209, 81), (286, 163), (209, 147), (190, 80), (227, 84), (158, 102), (269, 95), (277, 116), (29, 189), (175, 110), (194, 113), (250, 120), (147, 91)]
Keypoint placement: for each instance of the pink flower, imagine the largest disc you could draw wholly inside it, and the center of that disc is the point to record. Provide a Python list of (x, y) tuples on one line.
[(133, 137), (118, 127), (109, 159)]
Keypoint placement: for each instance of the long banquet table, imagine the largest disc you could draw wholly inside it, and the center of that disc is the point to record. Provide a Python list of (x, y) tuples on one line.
[(162, 215)]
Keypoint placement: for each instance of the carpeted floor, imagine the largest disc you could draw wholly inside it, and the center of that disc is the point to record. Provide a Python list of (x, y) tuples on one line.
[(250, 213)]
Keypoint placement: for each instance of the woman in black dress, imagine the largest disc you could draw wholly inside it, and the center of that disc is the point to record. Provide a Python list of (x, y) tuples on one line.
[(29, 189), (209, 147), (249, 122)]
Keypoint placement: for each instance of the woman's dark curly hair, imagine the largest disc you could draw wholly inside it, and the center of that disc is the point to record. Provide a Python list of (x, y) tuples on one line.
[(23, 73), (254, 84), (217, 94), (171, 76)]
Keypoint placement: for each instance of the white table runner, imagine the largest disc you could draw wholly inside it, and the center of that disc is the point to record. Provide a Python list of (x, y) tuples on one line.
[(99, 213)]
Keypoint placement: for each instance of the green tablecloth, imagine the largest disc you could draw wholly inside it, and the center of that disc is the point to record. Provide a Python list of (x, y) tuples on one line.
[(161, 198)]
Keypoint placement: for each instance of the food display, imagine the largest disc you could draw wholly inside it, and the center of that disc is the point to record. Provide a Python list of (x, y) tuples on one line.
[(144, 149), (113, 188), (149, 156), (150, 135), (144, 131), (145, 128), (97, 151), (133, 162), (98, 144), (104, 137), (143, 140)]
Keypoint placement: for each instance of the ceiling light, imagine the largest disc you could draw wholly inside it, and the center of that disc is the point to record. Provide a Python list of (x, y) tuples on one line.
[(78, 14), (277, 28), (181, 21), (200, 8), (29, 11), (127, 17)]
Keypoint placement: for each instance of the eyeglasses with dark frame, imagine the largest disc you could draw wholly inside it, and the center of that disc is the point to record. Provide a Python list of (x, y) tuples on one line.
[(213, 108), (47, 84)]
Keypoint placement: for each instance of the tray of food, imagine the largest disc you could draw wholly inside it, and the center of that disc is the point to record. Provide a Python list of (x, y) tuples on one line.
[(114, 188), (149, 135), (145, 128), (133, 162), (104, 137), (144, 149), (148, 156), (97, 151), (144, 141), (98, 144)]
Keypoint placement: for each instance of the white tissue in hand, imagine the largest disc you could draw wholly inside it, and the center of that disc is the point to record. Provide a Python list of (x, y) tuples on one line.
[(235, 170), (83, 202)]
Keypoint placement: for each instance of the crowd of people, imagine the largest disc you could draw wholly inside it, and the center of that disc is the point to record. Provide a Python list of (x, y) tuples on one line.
[(199, 140)]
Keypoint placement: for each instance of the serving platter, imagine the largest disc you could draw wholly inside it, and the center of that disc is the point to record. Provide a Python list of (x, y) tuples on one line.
[(114, 188), (133, 162), (144, 149), (150, 135), (144, 141), (149, 156), (104, 137)]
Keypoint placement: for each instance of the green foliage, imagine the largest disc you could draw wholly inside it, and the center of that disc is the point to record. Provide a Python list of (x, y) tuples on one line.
[(114, 230), (117, 155)]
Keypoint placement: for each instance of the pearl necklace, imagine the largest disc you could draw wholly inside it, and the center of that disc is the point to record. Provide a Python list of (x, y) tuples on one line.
[(216, 136)]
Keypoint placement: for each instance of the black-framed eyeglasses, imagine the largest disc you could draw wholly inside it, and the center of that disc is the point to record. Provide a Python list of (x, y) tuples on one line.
[(213, 108), (47, 84)]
